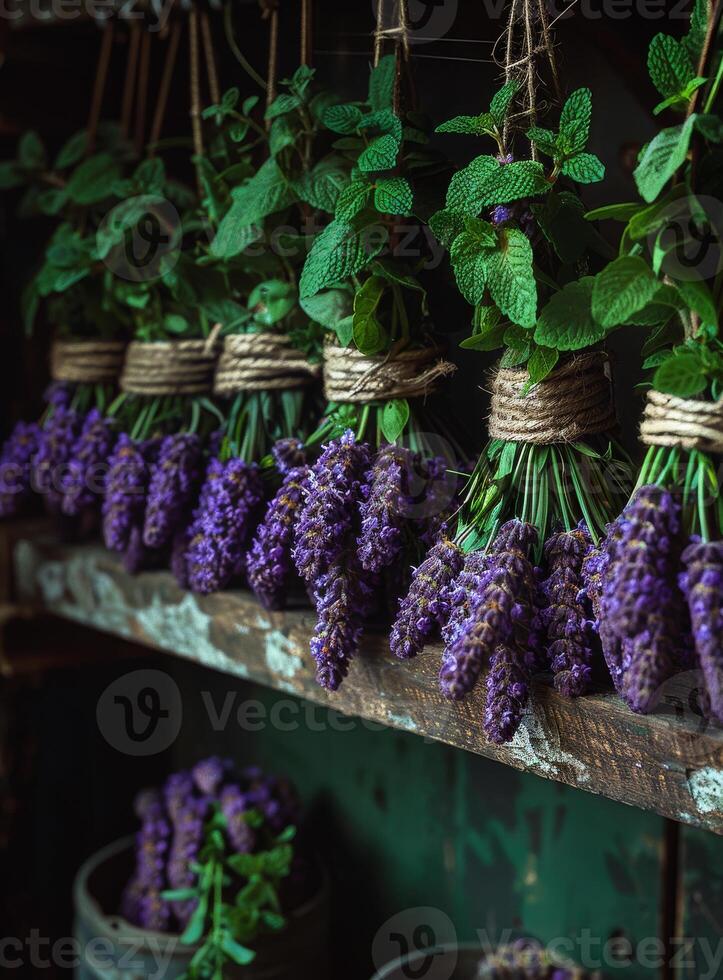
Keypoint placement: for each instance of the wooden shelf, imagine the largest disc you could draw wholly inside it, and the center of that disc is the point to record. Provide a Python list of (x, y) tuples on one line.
[(670, 762)]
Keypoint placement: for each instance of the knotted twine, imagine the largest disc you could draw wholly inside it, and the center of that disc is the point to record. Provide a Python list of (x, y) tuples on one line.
[(169, 367), (683, 423), (574, 401), (350, 376), (87, 361), (261, 362)]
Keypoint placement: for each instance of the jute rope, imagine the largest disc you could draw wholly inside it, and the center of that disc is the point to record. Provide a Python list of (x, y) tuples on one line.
[(572, 402), (261, 362), (169, 367), (350, 376), (682, 422), (87, 361)]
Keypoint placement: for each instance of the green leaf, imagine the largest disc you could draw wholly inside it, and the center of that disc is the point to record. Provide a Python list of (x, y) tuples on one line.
[(669, 65), (352, 199), (179, 894), (267, 192), (683, 375), (236, 952), (710, 126), (566, 322), (541, 363), (196, 927), (92, 181), (321, 186), (386, 121), (501, 101), (393, 196), (175, 323), (575, 122), (271, 301), (381, 154), (341, 250), (682, 98), (614, 212), (513, 181), (544, 139), (662, 157), (71, 151), (621, 289), (511, 280), (489, 339), (342, 119), (468, 125), (467, 187), (10, 175), (31, 152), (695, 38), (585, 168), (381, 83), (469, 261), (395, 416), (328, 308), (281, 105), (367, 332), (446, 225), (698, 297), (281, 135)]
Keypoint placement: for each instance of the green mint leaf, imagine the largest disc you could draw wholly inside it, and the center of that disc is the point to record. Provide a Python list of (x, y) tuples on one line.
[(341, 250), (469, 258), (585, 168), (566, 322), (352, 199), (662, 157), (515, 356), (682, 98), (322, 186), (614, 212), (575, 122), (682, 374), (467, 187), (695, 38), (281, 105), (385, 120), (501, 101), (513, 181), (669, 65), (544, 139), (381, 154), (481, 125), (381, 83), (327, 308), (395, 416), (622, 289), (541, 363), (368, 334), (301, 79), (698, 297), (344, 330), (31, 152), (446, 225), (236, 952), (342, 119), (93, 180), (195, 929), (511, 280), (281, 134), (393, 196), (489, 332), (72, 151), (710, 126)]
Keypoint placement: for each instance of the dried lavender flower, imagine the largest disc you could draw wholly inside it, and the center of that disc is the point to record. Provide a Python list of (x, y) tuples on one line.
[(126, 485), (382, 509), (173, 483), (702, 585), (84, 483), (234, 806), (54, 450), (16, 465)]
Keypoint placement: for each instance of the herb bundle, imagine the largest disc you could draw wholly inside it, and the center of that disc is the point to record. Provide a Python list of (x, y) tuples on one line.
[(659, 575), (551, 477), (215, 861)]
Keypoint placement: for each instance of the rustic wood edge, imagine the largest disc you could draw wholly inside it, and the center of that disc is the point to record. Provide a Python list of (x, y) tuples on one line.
[(670, 762)]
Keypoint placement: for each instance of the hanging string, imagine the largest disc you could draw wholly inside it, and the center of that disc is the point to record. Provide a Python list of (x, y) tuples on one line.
[(211, 70), (270, 12), (307, 42), (101, 77), (129, 84), (400, 35), (195, 81), (142, 100), (163, 92)]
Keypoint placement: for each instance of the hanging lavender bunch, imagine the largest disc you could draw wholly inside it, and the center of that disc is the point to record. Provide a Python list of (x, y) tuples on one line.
[(173, 482), (142, 902), (565, 617), (184, 852), (503, 623), (640, 599), (327, 514), (16, 465), (85, 480), (702, 585), (594, 568), (269, 563), (382, 509), (427, 605), (56, 445), (218, 534), (209, 773), (343, 596), (124, 503)]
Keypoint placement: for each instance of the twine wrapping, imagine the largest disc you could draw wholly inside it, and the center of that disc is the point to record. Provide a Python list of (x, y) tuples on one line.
[(169, 367), (682, 422), (574, 401), (261, 362), (87, 361), (350, 376)]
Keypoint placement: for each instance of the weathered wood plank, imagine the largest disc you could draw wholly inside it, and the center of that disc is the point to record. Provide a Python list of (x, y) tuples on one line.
[(670, 762)]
